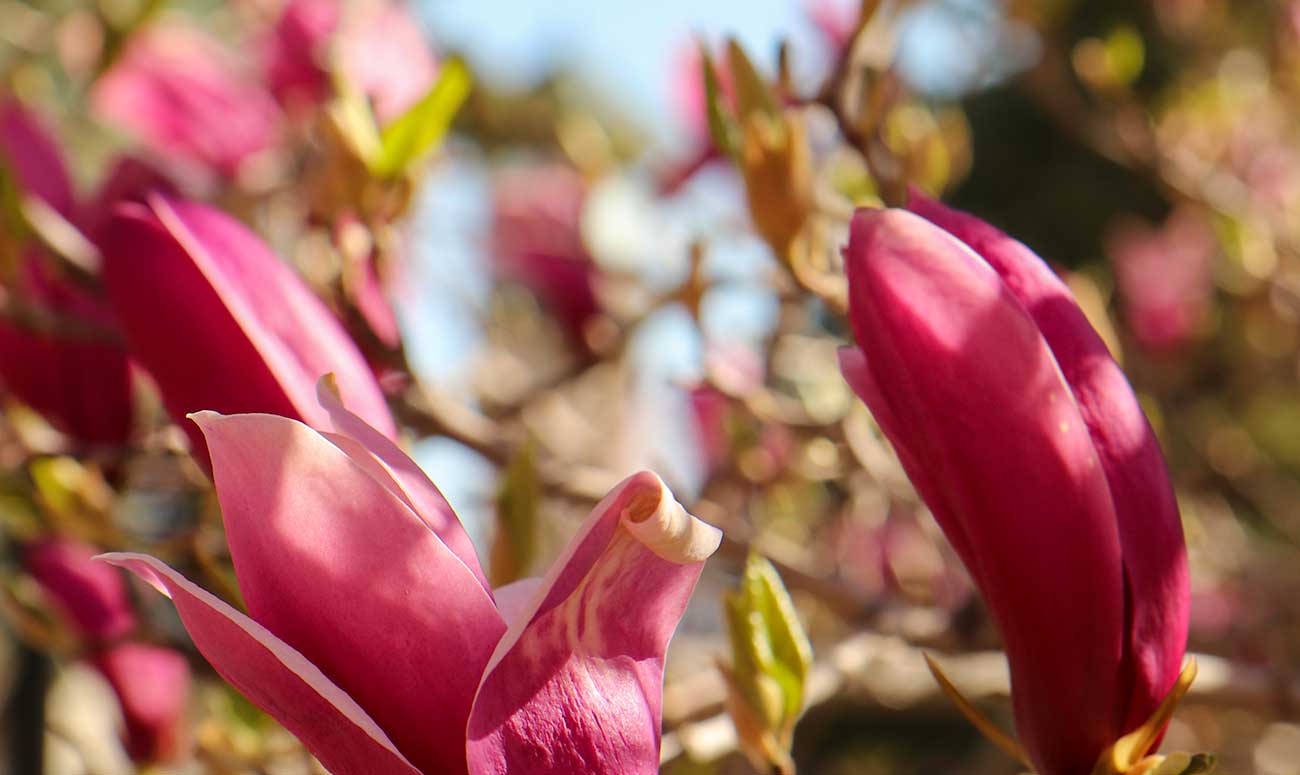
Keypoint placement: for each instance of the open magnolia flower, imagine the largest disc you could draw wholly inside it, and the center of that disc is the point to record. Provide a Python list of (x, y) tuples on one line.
[(1024, 438), (372, 633)]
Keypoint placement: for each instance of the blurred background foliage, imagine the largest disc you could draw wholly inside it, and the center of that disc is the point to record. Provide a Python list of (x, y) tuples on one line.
[(615, 260)]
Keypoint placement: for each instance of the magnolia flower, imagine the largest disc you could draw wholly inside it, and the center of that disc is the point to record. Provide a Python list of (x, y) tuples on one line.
[(1165, 277), (152, 683), (90, 595), (1028, 445), (220, 323), (378, 47), (72, 374), (372, 633), (186, 98), (537, 241)]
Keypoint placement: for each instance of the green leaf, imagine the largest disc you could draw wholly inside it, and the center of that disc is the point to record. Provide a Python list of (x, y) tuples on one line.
[(722, 129), (406, 141)]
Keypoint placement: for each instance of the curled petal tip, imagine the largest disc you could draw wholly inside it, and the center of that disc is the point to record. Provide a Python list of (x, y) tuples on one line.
[(659, 522)]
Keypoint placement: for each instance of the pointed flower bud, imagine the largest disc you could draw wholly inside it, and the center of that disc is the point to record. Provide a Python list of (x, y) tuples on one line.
[(770, 662), (93, 596), (1027, 443), (221, 323), (152, 684)]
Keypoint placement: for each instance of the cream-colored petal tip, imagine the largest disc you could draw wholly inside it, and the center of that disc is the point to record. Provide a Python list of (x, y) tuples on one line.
[(657, 520)]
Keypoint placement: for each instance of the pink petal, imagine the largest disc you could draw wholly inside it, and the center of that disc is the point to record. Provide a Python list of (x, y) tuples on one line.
[(92, 594), (972, 391), (184, 95), (1150, 530), (340, 567), (128, 180), (296, 50), (30, 152), (275, 677), (385, 55), (220, 323), (388, 464), (367, 293), (575, 686), (152, 684)]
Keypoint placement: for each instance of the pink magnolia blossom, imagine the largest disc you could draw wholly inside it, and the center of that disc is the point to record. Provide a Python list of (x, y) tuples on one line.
[(379, 47), (73, 376), (29, 153), (186, 98), (1027, 443), (220, 322), (537, 241), (372, 633), (90, 594), (1164, 276), (152, 683)]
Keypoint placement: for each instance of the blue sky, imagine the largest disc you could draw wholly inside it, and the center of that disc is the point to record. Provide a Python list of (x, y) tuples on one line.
[(625, 47)]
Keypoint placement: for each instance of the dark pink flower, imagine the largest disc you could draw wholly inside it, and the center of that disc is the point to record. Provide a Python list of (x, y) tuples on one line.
[(537, 241), (152, 684), (372, 632), (91, 595), (221, 323), (1028, 445), (70, 373), (29, 153)]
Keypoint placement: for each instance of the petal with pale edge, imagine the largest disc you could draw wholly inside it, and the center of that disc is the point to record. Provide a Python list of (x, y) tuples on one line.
[(342, 569), (221, 323), (971, 391), (1155, 556), (275, 677), (575, 686), (402, 475)]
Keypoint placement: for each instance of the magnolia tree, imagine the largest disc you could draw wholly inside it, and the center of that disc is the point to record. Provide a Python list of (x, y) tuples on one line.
[(887, 474)]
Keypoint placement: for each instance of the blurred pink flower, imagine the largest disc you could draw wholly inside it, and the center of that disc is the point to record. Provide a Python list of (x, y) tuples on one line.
[(188, 99), (1164, 276), (29, 152), (373, 635), (74, 376), (152, 684), (91, 594), (1027, 443), (537, 241), (380, 48), (710, 409), (836, 20), (221, 323)]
